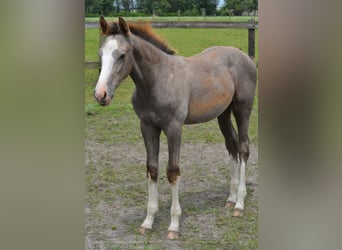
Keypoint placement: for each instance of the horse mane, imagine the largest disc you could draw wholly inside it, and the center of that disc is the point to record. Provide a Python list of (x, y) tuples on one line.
[(143, 30)]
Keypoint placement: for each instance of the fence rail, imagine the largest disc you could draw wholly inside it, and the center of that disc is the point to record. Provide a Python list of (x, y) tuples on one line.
[(251, 26), (92, 65), (191, 24)]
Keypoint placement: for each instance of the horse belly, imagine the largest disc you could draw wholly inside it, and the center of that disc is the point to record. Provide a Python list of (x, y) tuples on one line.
[(211, 91), (207, 106)]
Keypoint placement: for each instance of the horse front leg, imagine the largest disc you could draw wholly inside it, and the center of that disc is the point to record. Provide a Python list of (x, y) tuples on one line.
[(174, 134), (151, 136)]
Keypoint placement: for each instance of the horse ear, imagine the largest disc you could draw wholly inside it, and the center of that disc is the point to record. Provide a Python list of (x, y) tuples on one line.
[(123, 26), (103, 24)]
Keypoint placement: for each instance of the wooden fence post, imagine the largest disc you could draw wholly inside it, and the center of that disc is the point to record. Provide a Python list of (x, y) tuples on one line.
[(251, 41)]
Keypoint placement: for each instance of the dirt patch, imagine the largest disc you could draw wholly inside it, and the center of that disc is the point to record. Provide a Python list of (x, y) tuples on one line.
[(117, 194)]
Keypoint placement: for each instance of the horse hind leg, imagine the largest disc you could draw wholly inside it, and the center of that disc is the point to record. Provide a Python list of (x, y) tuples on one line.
[(238, 147), (242, 111), (231, 140)]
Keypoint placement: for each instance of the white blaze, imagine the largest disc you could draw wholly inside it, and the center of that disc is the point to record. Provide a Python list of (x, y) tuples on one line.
[(107, 61)]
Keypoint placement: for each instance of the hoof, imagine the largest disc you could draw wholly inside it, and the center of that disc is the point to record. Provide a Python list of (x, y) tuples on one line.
[(238, 212), (143, 230), (172, 235), (229, 204)]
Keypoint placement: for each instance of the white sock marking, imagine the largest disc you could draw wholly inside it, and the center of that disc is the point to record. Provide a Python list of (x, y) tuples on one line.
[(175, 210), (242, 187), (234, 182), (152, 205)]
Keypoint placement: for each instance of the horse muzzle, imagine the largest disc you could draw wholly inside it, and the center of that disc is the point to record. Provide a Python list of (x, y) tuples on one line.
[(102, 97)]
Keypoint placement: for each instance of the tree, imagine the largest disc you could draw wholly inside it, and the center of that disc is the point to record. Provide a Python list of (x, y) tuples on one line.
[(255, 5), (208, 5), (89, 6), (145, 6), (239, 6), (172, 6), (161, 6), (126, 5), (103, 7), (192, 7)]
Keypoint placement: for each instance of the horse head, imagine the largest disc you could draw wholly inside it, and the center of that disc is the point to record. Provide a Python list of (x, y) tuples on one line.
[(116, 55)]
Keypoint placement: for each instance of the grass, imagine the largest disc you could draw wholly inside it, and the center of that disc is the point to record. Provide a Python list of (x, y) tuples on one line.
[(181, 18), (117, 124)]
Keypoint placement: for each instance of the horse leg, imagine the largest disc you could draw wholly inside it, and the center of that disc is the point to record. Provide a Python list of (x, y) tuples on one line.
[(242, 113), (174, 134), (233, 189), (242, 192), (229, 133), (151, 136)]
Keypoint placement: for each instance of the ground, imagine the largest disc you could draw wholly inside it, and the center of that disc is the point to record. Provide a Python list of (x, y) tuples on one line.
[(116, 199)]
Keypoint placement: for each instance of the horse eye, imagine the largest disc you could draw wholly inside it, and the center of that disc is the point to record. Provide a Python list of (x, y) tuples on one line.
[(122, 56)]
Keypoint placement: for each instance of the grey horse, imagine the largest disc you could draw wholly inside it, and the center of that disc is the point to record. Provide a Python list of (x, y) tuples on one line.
[(170, 91)]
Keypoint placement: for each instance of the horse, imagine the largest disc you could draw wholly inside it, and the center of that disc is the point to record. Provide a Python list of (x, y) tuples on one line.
[(172, 90)]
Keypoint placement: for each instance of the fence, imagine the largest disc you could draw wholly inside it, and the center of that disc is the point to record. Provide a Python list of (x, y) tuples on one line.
[(251, 26)]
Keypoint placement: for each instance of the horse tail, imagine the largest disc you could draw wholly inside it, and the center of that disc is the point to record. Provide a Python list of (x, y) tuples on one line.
[(229, 132)]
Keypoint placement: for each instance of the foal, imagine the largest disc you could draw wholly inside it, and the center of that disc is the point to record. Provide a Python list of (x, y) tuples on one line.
[(171, 91)]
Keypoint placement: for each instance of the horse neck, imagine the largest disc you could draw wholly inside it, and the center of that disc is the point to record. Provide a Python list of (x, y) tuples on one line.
[(148, 61)]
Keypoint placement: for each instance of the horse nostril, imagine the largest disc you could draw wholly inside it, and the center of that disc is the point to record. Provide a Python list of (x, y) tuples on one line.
[(104, 96)]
